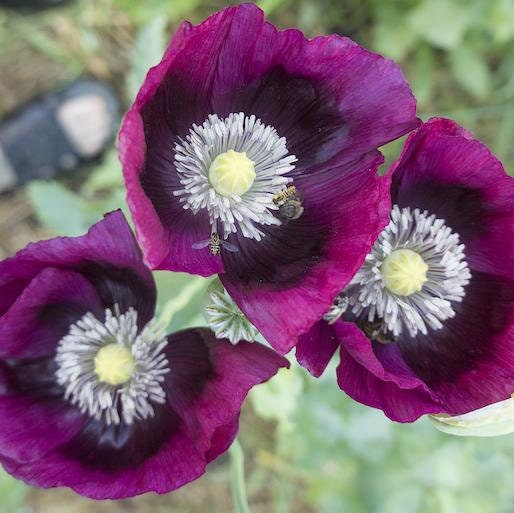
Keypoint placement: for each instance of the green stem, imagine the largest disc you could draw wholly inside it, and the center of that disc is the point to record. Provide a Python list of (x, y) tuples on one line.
[(180, 301), (237, 478)]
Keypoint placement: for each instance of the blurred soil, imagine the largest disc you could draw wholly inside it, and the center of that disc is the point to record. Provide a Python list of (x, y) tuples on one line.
[(30, 68), (17, 223)]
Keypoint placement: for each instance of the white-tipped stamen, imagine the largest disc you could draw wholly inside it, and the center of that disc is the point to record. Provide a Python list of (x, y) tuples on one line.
[(79, 374), (368, 297), (260, 144), (226, 319)]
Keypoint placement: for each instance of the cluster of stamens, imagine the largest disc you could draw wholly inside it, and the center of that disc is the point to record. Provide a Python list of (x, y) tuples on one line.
[(409, 281), (226, 319), (232, 168), (112, 370)]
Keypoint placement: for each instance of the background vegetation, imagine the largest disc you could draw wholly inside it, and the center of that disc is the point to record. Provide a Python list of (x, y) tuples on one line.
[(309, 448)]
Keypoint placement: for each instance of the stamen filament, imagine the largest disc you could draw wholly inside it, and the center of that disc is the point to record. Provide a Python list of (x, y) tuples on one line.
[(112, 370), (435, 280)]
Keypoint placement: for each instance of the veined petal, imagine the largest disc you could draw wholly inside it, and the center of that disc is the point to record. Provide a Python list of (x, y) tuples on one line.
[(331, 101), (286, 282), (153, 424), (464, 361)]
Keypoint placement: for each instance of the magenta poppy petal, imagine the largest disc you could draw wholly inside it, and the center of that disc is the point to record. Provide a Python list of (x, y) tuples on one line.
[(107, 250), (210, 379), (222, 439), (446, 171), (328, 97), (282, 294), (28, 421), (466, 363), (377, 376), (177, 463), (316, 348), (44, 311)]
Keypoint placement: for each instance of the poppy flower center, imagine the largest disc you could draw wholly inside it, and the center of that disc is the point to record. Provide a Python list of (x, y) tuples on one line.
[(232, 172), (404, 272), (112, 369), (232, 169), (114, 364), (410, 281)]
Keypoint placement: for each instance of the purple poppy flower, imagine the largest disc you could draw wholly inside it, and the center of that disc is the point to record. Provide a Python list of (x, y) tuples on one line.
[(92, 395), (427, 324), (252, 152)]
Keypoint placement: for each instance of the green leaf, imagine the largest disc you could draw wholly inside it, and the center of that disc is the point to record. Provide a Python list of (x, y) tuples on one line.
[(391, 37), (58, 209), (104, 177), (277, 399), (180, 299), (147, 52), (64, 212), (13, 494), (144, 12), (268, 6), (502, 20), (470, 71), (95, 208), (422, 79), (442, 23)]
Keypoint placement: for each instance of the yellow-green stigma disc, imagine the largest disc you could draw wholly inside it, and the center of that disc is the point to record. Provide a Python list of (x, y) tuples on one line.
[(404, 272), (232, 172), (114, 364)]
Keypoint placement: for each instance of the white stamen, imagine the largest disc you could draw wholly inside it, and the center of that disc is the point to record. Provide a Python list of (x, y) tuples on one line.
[(262, 144), (76, 372), (368, 298)]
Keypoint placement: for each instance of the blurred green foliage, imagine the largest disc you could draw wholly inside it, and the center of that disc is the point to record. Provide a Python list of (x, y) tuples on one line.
[(330, 455), (340, 456), (459, 57), (12, 495)]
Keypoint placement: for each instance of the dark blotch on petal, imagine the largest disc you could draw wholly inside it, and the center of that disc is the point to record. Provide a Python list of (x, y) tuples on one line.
[(191, 366), (442, 356), (462, 208), (34, 377), (300, 109), (282, 258), (122, 286), (116, 447)]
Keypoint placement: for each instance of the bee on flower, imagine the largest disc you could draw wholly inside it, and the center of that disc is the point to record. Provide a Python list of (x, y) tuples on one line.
[(237, 116), (426, 326)]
